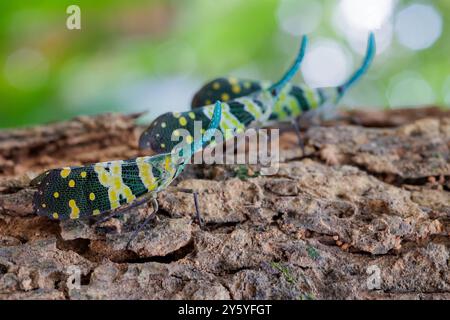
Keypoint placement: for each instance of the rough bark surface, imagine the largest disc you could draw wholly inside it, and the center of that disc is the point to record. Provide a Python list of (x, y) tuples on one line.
[(364, 213)]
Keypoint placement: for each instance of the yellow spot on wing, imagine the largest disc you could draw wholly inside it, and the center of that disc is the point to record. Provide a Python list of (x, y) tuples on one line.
[(83, 174), (295, 107), (176, 114), (216, 86), (44, 205), (103, 177), (92, 196), (145, 173), (113, 198), (96, 212), (128, 194), (167, 163), (229, 121), (163, 145), (228, 134), (163, 124), (117, 182), (55, 215), (65, 172), (247, 85), (311, 98), (116, 168), (71, 183), (183, 121), (170, 167), (56, 194), (191, 115), (233, 80), (208, 101), (113, 181), (75, 211), (251, 107), (189, 139), (236, 88), (225, 97)]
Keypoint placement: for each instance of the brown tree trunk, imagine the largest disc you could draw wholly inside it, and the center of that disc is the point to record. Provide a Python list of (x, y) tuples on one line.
[(363, 214)]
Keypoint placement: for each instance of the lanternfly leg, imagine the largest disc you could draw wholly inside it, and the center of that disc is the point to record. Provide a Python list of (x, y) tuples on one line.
[(197, 207), (146, 221), (299, 136), (105, 218), (197, 210), (122, 210)]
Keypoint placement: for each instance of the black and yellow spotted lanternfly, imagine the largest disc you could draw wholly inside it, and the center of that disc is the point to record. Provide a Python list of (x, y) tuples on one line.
[(243, 106), (294, 99), (93, 190), (238, 114)]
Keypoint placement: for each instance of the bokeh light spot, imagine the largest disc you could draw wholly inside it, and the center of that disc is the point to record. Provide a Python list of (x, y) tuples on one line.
[(354, 20), (367, 14), (299, 17), (326, 64), (409, 89), (26, 69), (418, 26)]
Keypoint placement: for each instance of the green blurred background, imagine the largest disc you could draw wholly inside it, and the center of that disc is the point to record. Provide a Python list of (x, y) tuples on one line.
[(152, 55)]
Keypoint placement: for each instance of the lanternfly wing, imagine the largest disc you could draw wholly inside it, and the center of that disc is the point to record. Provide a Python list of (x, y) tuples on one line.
[(294, 100), (236, 116), (158, 136), (74, 192), (225, 89)]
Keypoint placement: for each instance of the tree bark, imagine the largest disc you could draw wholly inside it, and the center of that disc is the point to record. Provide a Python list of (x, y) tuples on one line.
[(363, 214)]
